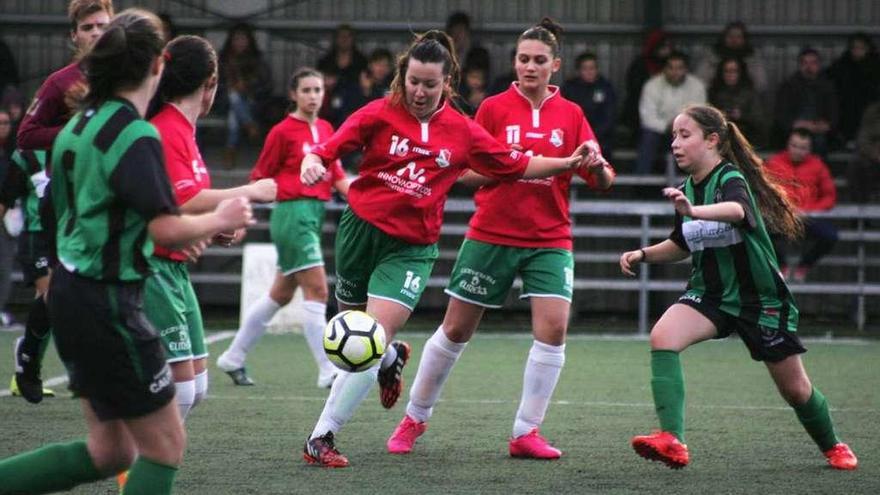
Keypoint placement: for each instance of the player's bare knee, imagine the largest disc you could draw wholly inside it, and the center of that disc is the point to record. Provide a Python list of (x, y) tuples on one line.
[(796, 392), (112, 457), (280, 295), (317, 293)]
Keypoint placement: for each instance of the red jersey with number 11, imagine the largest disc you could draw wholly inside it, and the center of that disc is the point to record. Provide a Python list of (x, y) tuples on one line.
[(531, 212), (409, 166)]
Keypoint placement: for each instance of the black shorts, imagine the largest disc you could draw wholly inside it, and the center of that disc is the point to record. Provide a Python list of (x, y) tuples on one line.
[(33, 256), (112, 353), (764, 343)]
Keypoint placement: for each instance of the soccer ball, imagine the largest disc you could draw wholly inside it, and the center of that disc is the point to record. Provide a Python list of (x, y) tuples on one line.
[(354, 341)]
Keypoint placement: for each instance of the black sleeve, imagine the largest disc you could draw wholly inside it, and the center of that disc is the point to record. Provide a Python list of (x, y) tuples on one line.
[(14, 186), (676, 235), (140, 179), (735, 190)]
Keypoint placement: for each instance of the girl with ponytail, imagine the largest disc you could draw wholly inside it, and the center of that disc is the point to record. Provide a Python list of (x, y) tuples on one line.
[(530, 238), (414, 147), (722, 214), (112, 199)]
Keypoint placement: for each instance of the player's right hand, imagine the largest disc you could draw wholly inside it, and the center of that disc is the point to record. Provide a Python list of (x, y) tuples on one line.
[(311, 171), (628, 260)]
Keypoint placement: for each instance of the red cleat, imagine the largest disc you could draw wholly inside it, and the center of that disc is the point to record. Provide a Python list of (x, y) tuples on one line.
[(391, 378), (321, 451), (662, 446), (841, 457), (533, 446), (405, 435)]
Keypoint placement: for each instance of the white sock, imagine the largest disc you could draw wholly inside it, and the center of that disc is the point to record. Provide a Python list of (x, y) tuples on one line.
[(185, 395), (389, 357), (255, 322), (437, 360), (201, 387), (348, 391), (314, 321), (539, 380)]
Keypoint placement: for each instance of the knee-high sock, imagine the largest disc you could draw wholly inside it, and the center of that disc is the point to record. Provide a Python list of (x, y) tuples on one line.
[(667, 385), (255, 323), (37, 334), (314, 321), (816, 419), (348, 391), (186, 396), (55, 467), (147, 477), (437, 360), (201, 387), (539, 381)]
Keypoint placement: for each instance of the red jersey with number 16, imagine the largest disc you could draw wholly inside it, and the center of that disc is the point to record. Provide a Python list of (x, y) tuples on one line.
[(286, 145), (409, 166), (183, 163), (531, 213)]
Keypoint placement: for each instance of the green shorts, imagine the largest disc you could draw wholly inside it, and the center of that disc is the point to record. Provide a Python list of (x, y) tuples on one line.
[(483, 273), (295, 227), (171, 306), (370, 263)]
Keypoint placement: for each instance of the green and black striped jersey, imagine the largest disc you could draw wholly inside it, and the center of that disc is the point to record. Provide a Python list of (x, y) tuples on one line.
[(108, 182), (734, 265), (26, 180)]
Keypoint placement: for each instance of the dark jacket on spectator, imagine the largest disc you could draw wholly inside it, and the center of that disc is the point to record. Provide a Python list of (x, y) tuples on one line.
[(801, 98), (599, 103), (742, 105), (863, 177), (858, 85)]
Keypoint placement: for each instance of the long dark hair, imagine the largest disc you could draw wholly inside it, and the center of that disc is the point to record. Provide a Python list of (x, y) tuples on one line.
[(122, 56), (773, 202), (433, 46), (745, 80), (252, 51), (547, 31), (191, 62)]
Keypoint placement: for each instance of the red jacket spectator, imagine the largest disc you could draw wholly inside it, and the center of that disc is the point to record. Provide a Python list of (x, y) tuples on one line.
[(809, 181)]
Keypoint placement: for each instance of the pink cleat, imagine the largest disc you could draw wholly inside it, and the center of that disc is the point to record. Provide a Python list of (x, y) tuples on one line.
[(841, 457), (662, 446), (405, 435), (533, 446)]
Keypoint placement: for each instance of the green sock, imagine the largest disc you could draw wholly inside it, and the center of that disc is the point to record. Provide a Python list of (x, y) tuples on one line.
[(148, 477), (55, 467), (44, 345), (667, 385), (816, 419)]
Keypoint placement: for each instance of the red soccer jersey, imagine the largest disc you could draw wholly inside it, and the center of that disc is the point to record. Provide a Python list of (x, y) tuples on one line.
[(530, 212), (286, 145), (183, 163), (409, 166), (48, 112)]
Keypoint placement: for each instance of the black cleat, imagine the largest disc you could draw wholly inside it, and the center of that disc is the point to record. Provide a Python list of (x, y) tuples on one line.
[(391, 378), (240, 377), (27, 379), (321, 451)]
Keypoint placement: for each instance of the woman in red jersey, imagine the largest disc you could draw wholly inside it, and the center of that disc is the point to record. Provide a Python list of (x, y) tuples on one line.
[(529, 237), (187, 90), (296, 229), (415, 146)]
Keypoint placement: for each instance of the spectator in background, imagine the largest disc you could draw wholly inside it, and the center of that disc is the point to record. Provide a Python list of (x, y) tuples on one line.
[(473, 89), (13, 101), (663, 97), (734, 43), (856, 78), (8, 67), (346, 60), (863, 176), (246, 83), (373, 83), (502, 82), (809, 184), (468, 52), (596, 97), (732, 91), (656, 47), (807, 100)]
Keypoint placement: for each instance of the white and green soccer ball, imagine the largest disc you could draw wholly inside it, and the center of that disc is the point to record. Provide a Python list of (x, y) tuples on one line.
[(354, 341)]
